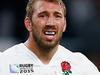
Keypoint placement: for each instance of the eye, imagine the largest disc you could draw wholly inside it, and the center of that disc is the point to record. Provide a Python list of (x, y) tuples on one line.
[(41, 15), (58, 16)]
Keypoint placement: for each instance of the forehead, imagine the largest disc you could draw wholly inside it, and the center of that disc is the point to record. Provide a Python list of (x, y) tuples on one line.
[(48, 6)]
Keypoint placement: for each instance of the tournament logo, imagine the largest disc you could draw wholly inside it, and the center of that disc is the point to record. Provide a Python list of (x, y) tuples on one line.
[(14, 68), (21, 68)]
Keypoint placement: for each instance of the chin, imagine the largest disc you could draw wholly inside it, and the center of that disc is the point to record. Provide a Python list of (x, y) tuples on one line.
[(50, 44)]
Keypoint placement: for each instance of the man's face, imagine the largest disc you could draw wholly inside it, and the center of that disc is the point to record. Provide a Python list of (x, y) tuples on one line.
[(48, 23)]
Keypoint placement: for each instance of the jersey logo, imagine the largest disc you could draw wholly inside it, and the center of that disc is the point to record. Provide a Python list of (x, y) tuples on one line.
[(21, 68), (66, 68)]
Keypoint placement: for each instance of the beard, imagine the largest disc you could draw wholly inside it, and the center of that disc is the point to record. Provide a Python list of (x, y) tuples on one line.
[(45, 45)]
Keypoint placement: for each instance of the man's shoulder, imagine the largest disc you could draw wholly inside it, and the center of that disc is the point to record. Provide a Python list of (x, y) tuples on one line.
[(71, 53), (12, 50), (77, 56), (12, 54)]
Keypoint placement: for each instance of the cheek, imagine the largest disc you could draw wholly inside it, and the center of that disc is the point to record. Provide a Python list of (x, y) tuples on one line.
[(39, 22), (61, 26), (38, 25)]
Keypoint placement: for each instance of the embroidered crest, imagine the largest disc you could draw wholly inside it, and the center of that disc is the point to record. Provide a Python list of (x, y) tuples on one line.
[(66, 68)]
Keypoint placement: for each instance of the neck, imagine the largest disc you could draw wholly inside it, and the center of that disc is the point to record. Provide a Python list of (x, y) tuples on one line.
[(43, 55)]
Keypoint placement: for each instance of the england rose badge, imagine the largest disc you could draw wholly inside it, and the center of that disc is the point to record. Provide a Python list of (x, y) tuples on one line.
[(66, 68)]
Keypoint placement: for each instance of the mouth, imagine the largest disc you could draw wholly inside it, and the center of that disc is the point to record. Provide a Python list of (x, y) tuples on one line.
[(50, 33)]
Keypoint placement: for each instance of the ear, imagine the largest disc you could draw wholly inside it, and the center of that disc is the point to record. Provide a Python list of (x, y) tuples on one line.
[(65, 25), (28, 24)]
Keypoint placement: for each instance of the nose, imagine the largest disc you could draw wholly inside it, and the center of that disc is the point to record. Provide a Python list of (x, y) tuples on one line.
[(50, 21)]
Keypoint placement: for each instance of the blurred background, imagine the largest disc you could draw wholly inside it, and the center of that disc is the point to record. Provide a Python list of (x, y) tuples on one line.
[(82, 34)]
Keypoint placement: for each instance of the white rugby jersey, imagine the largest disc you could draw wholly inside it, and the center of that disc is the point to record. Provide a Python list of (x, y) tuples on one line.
[(19, 60)]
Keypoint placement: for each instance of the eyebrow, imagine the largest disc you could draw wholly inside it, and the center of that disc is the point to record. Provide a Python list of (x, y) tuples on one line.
[(45, 12), (56, 12)]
